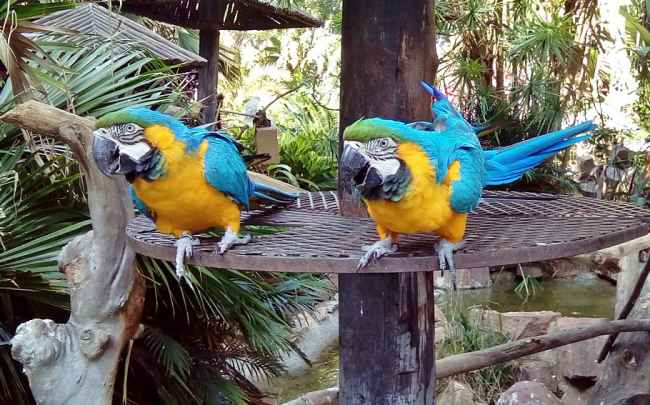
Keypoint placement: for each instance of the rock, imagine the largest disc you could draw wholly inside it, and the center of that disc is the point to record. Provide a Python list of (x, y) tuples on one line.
[(537, 369), (577, 361), (456, 393), (531, 270), (564, 268), (466, 279), (528, 393), (574, 396), (517, 325), (329, 396), (503, 280)]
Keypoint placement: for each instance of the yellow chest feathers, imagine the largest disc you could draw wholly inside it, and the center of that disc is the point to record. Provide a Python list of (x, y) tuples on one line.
[(425, 206), (181, 199)]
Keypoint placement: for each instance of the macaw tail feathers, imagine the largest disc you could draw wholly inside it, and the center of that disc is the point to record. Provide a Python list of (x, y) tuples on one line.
[(506, 165), (272, 191)]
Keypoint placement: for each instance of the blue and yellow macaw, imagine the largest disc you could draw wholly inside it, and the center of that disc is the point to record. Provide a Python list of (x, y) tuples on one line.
[(186, 179), (421, 177)]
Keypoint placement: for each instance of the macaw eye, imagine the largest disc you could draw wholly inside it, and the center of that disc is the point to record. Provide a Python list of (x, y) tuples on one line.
[(130, 128), (383, 143)]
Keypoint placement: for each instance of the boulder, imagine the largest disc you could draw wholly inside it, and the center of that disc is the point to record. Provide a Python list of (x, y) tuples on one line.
[(517, 325), (456, 393), (577, 361), (540, 369), (466, 279), (575, 396), (531, 270), (503, 280), (528, 393)]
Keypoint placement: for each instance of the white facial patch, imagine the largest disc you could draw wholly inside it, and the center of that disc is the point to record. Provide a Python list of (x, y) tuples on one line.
[(135, 151), (386, 167)]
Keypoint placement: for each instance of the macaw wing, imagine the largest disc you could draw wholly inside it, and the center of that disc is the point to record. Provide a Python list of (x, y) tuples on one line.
[(225, 169), (455, 146), (466, 191)]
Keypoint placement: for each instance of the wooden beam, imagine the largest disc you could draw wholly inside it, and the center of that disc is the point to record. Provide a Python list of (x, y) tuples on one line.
[(386, 320), (208, 74)]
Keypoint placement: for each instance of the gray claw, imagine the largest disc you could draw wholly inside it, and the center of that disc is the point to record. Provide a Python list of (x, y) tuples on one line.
[(375, 251), (231, 239), (184, 250)]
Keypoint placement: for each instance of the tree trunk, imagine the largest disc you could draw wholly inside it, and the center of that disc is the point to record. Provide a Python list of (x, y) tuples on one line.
[(208, 74), (386, 320), (76, 362)]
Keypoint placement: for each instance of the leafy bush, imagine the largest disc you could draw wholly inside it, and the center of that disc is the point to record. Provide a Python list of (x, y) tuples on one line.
[(308, 145)]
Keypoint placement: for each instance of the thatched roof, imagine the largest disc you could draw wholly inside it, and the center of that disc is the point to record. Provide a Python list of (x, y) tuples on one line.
[(239, 15), (99, 22)]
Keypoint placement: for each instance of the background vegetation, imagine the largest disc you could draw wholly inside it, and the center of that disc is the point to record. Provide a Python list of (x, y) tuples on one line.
[(523, 66)]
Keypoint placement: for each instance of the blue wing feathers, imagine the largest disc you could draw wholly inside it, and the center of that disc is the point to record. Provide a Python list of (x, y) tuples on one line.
[(225, 170), (509, 164)]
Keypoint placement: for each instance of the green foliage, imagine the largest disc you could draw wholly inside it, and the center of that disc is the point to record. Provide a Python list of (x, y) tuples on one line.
[(228, 327), (642, 107), (528, 286), (522, 62), (36, 220), (465, 335), (308, 146)]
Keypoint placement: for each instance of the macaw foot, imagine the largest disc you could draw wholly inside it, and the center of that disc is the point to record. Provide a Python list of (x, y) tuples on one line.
[(375, 251), (445, 250), (183, 251), (231, 239)]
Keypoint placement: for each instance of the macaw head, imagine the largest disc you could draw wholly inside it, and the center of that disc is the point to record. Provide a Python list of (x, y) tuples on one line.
[(370, 158), (120, 144)]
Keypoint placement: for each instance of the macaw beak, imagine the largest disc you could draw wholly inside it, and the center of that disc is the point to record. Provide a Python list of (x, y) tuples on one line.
[(436, 94), (354, 164), (106, 153), (356, 168)]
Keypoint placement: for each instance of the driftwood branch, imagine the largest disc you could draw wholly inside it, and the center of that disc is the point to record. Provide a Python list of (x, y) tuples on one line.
[(75, 363), (462, 363)]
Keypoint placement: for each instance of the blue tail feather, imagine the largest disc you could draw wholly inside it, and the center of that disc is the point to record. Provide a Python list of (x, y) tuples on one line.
[(272, 195), (508, 164)]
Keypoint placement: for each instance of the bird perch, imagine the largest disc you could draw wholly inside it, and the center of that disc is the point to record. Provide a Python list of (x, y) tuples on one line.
[(75, 363)]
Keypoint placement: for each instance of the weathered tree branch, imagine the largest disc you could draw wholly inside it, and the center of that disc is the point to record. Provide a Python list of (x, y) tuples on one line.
[(462, 363), (75, 363)]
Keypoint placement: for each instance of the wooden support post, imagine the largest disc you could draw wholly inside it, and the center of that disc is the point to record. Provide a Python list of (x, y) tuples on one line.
[(386, 320), (208, 73)]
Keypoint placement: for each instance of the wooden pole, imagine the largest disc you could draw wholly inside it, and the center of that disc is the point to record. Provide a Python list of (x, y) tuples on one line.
[(208, 74), (386, 320)]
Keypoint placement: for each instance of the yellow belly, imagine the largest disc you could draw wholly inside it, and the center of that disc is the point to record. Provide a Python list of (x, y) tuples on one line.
[(425, 207), (182, 200)]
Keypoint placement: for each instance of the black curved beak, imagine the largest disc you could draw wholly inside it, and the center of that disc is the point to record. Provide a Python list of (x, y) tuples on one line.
[(354, 164), (106, 155)]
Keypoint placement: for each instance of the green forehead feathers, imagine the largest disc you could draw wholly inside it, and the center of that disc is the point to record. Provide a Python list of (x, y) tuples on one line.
[(373, 128)]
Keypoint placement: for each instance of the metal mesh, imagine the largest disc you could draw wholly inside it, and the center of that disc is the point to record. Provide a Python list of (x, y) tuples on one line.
[(507, 228)]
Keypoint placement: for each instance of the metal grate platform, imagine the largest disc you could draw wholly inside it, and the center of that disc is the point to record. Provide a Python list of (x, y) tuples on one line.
[(507, 228)]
